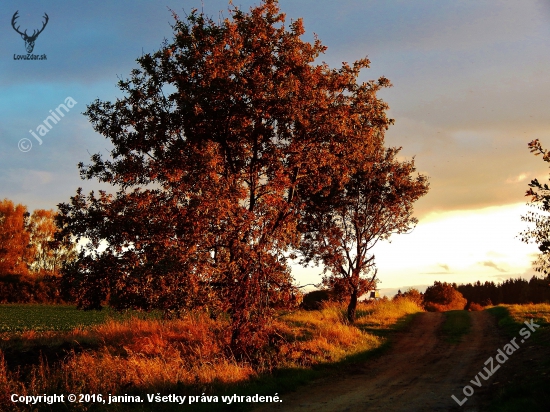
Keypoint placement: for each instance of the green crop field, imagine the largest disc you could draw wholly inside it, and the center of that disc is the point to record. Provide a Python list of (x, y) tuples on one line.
[(41, 318)]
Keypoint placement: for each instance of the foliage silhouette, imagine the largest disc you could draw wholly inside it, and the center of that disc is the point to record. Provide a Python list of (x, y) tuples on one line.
[(540, 199)]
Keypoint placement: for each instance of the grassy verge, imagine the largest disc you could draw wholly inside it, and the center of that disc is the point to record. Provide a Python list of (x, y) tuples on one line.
[(457, 323), (526, 372), (188, 356), (376, 321)]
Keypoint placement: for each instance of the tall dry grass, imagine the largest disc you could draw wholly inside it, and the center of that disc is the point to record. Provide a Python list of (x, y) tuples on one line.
[(138, 355), (321, 336), (521, 313), (384, 313)]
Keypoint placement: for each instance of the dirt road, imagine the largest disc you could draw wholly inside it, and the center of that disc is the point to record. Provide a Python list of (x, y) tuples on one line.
[(419, 373)]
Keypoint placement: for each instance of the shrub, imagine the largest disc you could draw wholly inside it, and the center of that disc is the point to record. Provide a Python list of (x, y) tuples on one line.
[(475, 307), (30, 289), (413, 295), (314, 300), (443, 296)]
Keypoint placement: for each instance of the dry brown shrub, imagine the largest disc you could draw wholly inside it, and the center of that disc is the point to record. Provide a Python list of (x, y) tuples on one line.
[(442, 297), (476, 307)]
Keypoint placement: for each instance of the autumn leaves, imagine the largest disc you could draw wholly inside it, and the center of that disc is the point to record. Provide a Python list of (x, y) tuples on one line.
[(257, 152)]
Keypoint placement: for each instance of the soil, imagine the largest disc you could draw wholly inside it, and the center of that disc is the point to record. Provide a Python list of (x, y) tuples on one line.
[(419, 372)]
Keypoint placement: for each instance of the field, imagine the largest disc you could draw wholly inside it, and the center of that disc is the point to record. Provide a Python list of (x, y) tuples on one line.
[(438, 355), (56, 349), (41, 318)]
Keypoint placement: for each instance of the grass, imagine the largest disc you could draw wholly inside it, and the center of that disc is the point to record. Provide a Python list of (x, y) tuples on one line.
[(511, 317), (528, 381), (540, 313), (44, 318), (189, 355), (457, 323)]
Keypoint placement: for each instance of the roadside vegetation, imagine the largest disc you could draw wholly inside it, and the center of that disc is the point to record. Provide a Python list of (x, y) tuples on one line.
[(524, 378), (187, 355)]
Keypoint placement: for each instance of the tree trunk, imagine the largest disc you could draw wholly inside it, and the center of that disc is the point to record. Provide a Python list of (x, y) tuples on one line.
[(352, 307)]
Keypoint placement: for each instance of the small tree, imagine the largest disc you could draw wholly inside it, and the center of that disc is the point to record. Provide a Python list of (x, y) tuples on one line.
[(413, 295), (345, 221)]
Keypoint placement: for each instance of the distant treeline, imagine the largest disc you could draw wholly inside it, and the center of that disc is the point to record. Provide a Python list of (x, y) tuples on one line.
[(511, 291), (31, 289)]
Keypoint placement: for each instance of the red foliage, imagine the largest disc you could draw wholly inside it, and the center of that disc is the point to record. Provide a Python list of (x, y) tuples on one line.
[(221, 138), (443, 296), (15, 249)]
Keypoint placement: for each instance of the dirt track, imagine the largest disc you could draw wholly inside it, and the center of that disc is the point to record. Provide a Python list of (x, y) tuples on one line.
[(419, 373)]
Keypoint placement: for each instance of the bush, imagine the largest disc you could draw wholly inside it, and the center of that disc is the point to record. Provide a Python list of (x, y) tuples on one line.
[(30, 289), (413, 295), (475, 307), (314, 300), (442, 297)]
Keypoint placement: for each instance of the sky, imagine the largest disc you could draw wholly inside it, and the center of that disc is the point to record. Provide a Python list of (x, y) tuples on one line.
[(470, 90)]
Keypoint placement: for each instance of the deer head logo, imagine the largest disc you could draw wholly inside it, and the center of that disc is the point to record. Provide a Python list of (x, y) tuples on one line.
[(29, 40)]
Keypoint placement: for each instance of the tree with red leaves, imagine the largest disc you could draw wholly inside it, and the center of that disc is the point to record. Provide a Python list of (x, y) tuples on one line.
[(15, 250), (219, 141), (344, 222)]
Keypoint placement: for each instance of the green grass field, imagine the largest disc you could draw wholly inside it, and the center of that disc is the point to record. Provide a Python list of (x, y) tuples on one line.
[(457, 324), (42, 318)]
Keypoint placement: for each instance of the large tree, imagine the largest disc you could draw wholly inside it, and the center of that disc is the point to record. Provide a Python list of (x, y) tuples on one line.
[(218, 136), (48, 255), (344, 222), (15, 250), (540, 199)]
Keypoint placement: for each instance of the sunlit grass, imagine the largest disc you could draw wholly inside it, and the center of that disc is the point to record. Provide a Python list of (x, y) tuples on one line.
[(527, 389), (142, 355), (539, 312), (324, 335), (382, 314)]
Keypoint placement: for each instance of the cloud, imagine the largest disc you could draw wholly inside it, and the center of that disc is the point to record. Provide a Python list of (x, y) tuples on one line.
[(517, 179), (493, 265), (441, 265)]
